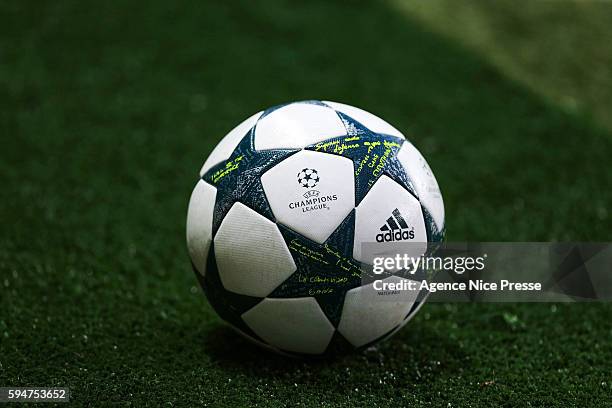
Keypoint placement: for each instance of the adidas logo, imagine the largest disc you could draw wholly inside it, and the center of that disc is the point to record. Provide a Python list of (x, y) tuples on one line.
[(395, 229)]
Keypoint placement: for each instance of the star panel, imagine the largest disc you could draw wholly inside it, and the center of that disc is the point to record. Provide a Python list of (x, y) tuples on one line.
[(373, 155), (239, 178)]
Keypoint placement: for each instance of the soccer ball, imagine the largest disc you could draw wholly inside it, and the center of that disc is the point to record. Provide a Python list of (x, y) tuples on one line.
[(277, 222)]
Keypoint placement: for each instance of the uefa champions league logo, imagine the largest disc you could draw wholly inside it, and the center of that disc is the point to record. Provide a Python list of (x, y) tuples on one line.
[(308, 178)]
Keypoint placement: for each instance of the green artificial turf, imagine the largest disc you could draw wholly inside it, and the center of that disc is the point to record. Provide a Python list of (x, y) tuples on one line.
[(560, 49), (107, 113)]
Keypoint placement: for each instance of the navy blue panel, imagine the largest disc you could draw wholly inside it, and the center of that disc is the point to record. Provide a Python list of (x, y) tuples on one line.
[(373, 155), (433, 233), (343, 237), (338, 345), (239, 178), (228, 305), (396, 172), (321, 268), (353, 127), (332, 306), (324, 271)]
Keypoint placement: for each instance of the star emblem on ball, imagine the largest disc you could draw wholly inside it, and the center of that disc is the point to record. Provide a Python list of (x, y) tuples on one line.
[(308, 178)]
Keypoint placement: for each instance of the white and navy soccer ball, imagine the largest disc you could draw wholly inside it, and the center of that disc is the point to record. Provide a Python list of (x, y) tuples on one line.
[(277, 220)]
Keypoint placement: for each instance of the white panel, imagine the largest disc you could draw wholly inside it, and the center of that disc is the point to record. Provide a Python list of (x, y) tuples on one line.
[(251, 254), (406, 319), (297, 325), (424, 181), (372, 122), (372, 223), (297, 125), (414, 312), (369, 314), (311, 192), (199, 223), (226, 146)]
